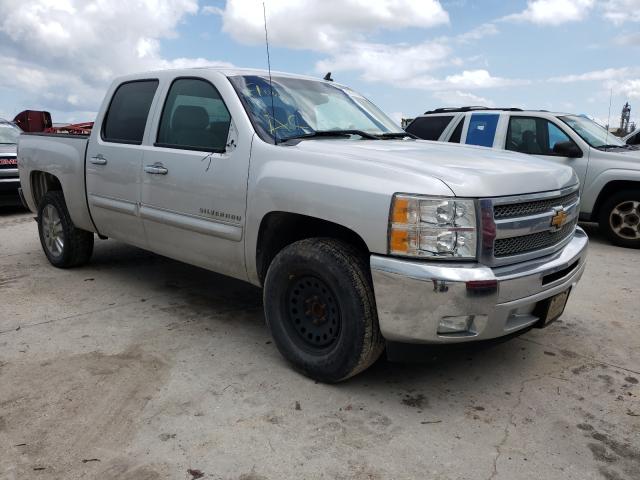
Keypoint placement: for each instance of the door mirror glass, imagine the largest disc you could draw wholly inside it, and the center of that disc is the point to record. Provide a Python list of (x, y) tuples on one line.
[(567, 149)]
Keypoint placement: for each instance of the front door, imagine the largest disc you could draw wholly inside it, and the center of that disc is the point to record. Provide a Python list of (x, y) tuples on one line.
[(538, 136), (114, 163), (194, 180)]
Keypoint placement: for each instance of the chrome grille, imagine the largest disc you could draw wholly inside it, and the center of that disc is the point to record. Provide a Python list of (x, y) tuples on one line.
[(506, 247), (532, 208)]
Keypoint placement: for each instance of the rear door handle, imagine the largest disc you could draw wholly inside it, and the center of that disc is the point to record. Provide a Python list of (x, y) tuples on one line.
[(98, 160), (156, 169)]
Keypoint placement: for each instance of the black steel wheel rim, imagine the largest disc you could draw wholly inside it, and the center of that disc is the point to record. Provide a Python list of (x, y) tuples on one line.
[(313, 313)]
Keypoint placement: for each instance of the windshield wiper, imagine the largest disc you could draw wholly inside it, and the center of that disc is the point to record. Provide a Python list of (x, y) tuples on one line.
[(389, 135), (330, 133), (614, 146)]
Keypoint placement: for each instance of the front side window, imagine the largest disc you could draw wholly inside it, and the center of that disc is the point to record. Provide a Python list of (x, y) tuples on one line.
[(9, 133), (127, 114), (194, 117), (534, 136), (287, 107), (634, 140), (429, 127), (482, 129)]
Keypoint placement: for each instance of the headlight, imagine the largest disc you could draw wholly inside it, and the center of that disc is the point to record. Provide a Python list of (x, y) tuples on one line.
[(432, 227)]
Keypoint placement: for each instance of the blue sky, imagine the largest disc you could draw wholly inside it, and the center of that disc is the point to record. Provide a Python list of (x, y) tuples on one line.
[(407, 56)]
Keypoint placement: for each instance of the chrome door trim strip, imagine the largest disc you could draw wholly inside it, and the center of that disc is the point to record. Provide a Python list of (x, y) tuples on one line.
[(192, 223), (114, 204)]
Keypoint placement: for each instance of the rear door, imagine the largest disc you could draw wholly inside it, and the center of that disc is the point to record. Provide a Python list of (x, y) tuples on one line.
[(195, 178), (114, 162)]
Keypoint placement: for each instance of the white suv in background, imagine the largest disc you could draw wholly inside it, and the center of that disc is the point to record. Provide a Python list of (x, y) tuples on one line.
[(633, 138), (609, 169)]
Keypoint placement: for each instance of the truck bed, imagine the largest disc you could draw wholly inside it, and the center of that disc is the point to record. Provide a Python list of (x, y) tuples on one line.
[(63, 156)]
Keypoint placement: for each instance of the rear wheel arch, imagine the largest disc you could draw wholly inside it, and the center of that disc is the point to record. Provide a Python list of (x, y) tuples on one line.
[(280, 229), (41, 183)]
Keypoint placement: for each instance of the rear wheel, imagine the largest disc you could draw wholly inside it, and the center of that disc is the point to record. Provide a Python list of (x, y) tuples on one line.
[(320, 308), (64, 245), (620, 218)]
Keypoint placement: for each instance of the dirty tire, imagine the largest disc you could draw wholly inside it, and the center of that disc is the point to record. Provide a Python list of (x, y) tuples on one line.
[(76, 245), (320, 308), (620, 218)]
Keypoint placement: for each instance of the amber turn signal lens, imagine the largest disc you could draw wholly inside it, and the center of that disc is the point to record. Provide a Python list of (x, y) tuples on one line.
[(399, 241), (400, 212)]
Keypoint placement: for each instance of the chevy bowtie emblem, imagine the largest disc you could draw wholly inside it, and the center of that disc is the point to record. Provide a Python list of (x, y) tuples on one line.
[(559, 219)]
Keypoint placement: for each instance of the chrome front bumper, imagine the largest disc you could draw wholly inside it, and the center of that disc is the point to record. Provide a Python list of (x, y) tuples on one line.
[(413, 296)]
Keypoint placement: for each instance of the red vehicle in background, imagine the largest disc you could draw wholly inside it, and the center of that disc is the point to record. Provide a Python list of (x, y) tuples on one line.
[(34, 121)]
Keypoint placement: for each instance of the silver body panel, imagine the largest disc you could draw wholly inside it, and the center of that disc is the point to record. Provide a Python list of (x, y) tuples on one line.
[(207, 209)]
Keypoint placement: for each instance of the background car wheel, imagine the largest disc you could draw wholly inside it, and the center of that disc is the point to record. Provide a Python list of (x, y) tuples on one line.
[(320, 308), (64, 245), (620, 218)]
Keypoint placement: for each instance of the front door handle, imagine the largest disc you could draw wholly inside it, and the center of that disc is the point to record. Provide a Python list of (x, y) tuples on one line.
[(98, 160), (156, 169)]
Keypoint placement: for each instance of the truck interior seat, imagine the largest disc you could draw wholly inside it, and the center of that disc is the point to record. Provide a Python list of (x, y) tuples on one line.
[(189, 126)]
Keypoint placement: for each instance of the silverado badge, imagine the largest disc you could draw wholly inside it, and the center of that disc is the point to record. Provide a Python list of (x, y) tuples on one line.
[(559, 218)]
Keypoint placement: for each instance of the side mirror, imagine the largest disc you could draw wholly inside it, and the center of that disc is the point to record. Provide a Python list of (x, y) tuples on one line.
[(567, 149)]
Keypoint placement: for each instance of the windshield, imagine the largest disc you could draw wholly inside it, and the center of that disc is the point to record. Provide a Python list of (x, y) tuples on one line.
[(9, 133), (303, 107), (591, 132)]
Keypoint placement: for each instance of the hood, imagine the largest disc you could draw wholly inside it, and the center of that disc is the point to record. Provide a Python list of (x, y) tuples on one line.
[(467, 170)]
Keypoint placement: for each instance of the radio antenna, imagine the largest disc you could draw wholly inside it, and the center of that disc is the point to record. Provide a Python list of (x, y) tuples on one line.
[(609, 116), (273, 109)]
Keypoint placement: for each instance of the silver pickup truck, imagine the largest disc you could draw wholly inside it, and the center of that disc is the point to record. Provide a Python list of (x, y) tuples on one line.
[(358, 233)]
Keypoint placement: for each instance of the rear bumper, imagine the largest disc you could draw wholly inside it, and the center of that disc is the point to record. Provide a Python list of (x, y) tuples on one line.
[(413, 297)]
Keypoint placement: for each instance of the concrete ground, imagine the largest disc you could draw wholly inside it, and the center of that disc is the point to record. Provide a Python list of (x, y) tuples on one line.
[(139, 367)]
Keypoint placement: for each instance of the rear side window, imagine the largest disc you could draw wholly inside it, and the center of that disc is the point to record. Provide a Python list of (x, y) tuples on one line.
[(429, 128), (128, 112), (457, 133), (634, 139), (482, 129), (194, 117)]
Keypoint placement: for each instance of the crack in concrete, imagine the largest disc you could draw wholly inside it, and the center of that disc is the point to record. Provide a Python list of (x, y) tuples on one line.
[(510, 423), (586, 357)]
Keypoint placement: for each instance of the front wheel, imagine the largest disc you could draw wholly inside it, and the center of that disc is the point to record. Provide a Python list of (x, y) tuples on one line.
[(620, 218), (320, 308), (64, 245)]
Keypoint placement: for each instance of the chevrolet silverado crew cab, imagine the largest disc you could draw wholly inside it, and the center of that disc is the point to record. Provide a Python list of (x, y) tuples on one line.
[(9, 179), (609, 169), (358, 233)]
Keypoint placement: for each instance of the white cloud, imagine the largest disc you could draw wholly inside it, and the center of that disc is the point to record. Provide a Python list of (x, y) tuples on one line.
[(325, 25), (553, 12), (628, 88), (480, 79), (628, 40), (64, 53), (457, 98), (621, 11), (598, 75), (388, 63), (478, 33)]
